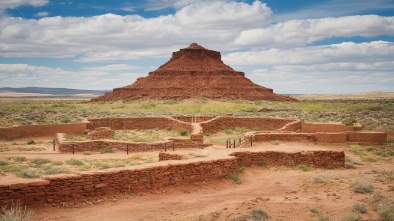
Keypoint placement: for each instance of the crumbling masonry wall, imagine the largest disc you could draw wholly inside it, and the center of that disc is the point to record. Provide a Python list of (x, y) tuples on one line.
[(228, 122), (40, 130), (64, 189)]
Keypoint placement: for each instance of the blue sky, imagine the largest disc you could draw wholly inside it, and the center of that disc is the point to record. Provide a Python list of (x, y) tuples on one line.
[(294, 47)]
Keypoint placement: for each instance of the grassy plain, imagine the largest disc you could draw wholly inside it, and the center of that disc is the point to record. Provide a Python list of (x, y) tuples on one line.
[(374, 113)]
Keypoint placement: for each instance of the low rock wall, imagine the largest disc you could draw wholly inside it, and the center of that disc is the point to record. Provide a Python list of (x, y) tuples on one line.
[(290, 137), (228, 122), (320, 159), (169, 156), (76, 188), (367, 137), (308, 127), (139, 123), (340, 137), (40, 130)]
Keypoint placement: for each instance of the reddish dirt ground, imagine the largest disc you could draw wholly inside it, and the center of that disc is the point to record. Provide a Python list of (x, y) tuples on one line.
[(284, 193)]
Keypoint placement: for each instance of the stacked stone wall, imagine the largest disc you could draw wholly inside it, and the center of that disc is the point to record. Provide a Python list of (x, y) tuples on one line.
[(63, 189), (320, 159), (340, 137), (307, 127), (290, 137), (101, 133), (40, 130), (169, 156), (139, 123), (367, 137), (227, 122)]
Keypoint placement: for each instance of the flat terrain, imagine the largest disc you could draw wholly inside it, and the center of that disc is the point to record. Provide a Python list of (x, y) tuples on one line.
[(283, 193), (364, 189)]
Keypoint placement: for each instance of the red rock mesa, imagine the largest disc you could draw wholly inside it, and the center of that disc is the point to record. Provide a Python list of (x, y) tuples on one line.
[(194, 72)]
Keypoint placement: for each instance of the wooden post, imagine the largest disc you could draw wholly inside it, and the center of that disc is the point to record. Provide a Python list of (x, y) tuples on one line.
[(173, 147), (165, 147), (54, 142), (73, 148), (234, 143), (226, 143), (127, 149), (251, 140)]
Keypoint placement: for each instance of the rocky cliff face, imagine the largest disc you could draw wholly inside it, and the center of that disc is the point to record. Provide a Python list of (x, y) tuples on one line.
[(194, 72)]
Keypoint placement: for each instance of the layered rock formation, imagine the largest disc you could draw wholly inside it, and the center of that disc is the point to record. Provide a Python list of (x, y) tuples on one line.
[(194, 72)]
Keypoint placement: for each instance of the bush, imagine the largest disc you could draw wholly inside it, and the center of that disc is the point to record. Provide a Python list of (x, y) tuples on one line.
[(31, 173), (107, 150), (87, 153), (3, 163), (241, 169), (234, 177), (258, 214), (40, 161), (183, 133), (359, 208), (386, 214), (275, 142), (370, 148), (349, 122), (20, 159), (16, 213), (305, 167), (352, 217), (360, 187), (74, 162), (30, 142)]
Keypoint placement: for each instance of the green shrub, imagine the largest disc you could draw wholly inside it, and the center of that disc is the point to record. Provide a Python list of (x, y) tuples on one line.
[(30, 142), (31, 173), (386, 214), (351, 217), (359, 208), (349, 122), (20, 159), (275, 142), (16, 213), (3, 163), (258, 214), (57, 163), (320, 215), (54, 170), (370, 148), (184, 133), (74, 162), (234, 177), (305, 167), (40, 161), (241, 169), (87, 153), (362, 187), (107, 150)]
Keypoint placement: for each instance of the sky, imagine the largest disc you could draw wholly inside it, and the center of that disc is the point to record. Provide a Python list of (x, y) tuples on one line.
[(293, 47)]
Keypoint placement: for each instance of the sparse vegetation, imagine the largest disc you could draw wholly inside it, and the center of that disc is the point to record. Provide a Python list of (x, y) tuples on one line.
[(234, 177), (107, 150), (362, 187), (275, 142), (184, 133), (16, 212), (31, 142)]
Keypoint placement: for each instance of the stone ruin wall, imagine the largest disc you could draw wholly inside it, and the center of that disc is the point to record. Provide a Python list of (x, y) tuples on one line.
[(102, 133), (308, 127), (65, 146), (139, 123), (169, 156), (228, 122), (76, 188), (40, 130)]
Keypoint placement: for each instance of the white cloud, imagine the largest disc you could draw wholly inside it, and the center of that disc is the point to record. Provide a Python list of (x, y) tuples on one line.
[(113, 67), (376, 51), (41, 14), (10, 4), (20, 75), (335, 8), (302, 32), (224, 16)]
